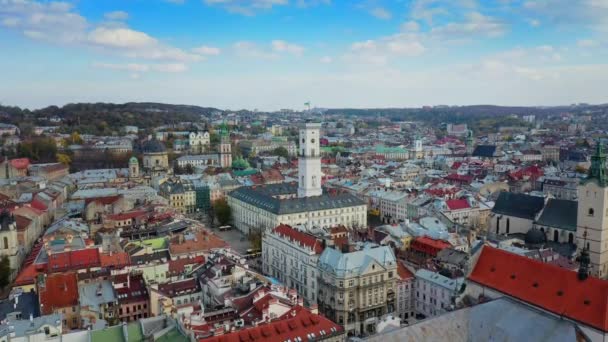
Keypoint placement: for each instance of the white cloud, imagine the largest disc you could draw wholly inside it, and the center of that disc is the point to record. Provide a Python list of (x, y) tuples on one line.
[(326, 59), (246, 7), (410, 26), (117, 15), (587, 43), (138, 69), (475, 25), (47, 21), (207, 50), (381, 13), (545, 48), (246, 49), (534, 22), (283, 46), (56, 22), (120, 38)]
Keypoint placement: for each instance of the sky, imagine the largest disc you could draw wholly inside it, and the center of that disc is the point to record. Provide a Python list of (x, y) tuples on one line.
[(272, 54)]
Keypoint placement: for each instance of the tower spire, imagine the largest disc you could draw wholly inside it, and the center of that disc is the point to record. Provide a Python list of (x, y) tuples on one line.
[(597, 170)]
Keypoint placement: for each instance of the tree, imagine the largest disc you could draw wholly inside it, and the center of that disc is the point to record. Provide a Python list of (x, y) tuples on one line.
[(223, 212), (64, 159), (255, 238), (281, 152), (5, 271), (580, 169), (75, 138)]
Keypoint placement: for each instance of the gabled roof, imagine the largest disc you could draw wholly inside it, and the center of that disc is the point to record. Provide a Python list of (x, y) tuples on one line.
[(302, 238), (457, 204), (560, 213), (73, 260), (518, 205), (300, 322), (543, 285), (60, 290)]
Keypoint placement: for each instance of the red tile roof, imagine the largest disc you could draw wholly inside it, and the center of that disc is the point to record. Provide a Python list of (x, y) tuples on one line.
[(439, 244), (457, 204), (37, 204), (60, 290), (304, 239), (20, 163), (177, 266), (114, 260), (27, 275), (126, 215), (102, 200), (22, 222), (549, 287), (73, 260), (403, 272), (300, 322)]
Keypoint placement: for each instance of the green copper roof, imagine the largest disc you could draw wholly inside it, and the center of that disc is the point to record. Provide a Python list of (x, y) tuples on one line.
[(224, 129), (385, 149), (243, 173), (133, 160), (597, 171), (108, 334)]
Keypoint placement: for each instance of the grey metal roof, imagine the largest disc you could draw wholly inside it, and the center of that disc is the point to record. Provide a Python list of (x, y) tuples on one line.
[(353, 263), (560, 213), (499, 320), (518, 205), (485, 151), (25, 303), (264, 197)]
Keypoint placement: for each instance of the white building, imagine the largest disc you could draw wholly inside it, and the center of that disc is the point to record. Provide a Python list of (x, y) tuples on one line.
[(265, 207), (291, 256), (435, 293), (198, 141), (309, 161), (406, 305)]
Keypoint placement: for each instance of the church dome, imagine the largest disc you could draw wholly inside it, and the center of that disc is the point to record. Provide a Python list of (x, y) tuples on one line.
[(535, 237), (153, 146), (133, 160)]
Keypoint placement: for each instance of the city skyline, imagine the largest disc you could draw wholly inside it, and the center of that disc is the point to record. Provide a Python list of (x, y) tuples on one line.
[(271, 54)]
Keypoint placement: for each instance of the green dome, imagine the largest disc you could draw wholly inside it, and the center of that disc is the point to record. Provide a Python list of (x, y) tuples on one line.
[(240, 164), (133, 160)]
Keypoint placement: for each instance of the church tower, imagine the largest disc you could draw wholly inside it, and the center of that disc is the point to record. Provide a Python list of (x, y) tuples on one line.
[(225, 147), (592, 222), (470, 142), (309, 161), (133, 167)]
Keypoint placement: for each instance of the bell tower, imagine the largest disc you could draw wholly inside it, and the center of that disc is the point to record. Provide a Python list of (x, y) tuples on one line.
[(225, 147), (592, 222), (309, 161)]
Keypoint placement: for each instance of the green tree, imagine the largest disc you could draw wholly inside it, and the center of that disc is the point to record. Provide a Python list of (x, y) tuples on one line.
[(255, 238), (281, 152), (64, 159), (5, 271), (223, 212)]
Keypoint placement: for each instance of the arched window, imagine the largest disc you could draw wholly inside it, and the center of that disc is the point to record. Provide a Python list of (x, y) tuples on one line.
[(590, 212), (497, 225), (5, 242), (508, 225)]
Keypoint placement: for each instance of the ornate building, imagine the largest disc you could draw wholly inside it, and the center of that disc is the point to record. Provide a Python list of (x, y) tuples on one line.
[(9, 244), (225, 149), (592, 219), (264, 207), (156, 158), (198, 142)]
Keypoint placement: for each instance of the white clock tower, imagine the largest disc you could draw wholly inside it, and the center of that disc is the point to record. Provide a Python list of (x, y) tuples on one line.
[(309, 161)]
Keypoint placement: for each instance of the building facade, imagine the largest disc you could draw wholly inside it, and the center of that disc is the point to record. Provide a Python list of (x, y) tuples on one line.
[(357, 288), (291, 256)]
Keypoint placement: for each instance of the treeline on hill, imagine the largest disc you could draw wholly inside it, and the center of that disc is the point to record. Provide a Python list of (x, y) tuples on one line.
[(103, 118)]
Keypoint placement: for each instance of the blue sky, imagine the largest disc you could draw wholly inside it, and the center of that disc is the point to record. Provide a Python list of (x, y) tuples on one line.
[(270, 54)]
